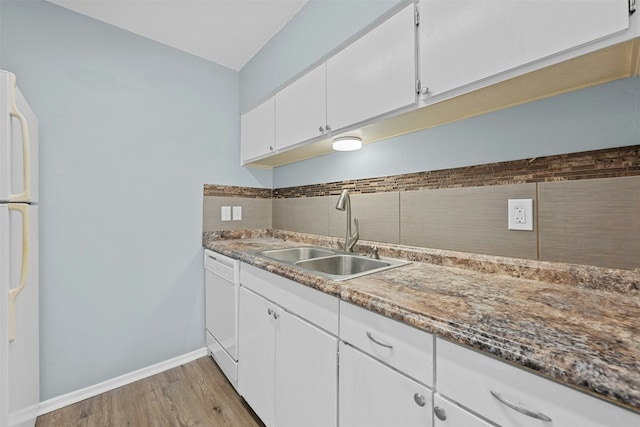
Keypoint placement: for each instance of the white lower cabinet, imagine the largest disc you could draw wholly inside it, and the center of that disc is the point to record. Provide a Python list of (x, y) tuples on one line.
[(385, 370), (257, 354), (372, 394), (306, 374), (288, 370), (511, 396), (295, 371)]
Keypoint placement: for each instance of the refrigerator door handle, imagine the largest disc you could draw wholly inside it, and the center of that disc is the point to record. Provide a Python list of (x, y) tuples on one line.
[(25, 196), (13, 293)]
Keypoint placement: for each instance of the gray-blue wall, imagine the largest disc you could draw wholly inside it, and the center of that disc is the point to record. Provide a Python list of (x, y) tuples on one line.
[(130, 131)]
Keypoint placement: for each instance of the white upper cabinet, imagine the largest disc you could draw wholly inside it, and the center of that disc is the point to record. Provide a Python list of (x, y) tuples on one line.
[(258, 131), (301, 112), (374, 75), (465, 41)]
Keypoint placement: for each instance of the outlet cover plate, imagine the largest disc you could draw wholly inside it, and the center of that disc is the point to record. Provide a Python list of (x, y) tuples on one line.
[(225, 213), (237, 213), (521, 214)]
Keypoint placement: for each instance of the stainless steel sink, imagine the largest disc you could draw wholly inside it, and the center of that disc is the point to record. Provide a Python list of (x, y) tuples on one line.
[(342, 265), (293, 255), (334, 265)]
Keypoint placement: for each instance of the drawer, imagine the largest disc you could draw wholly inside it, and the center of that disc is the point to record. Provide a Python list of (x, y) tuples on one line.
[(403, 347), (469, 378), (312, 305), (449, 414)]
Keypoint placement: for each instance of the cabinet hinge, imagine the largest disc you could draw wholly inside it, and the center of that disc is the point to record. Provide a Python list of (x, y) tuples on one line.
[(421, 90), (417, 16), (632, 6)]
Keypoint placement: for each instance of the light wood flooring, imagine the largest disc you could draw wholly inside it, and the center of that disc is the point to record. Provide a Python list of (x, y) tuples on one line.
[(194, 394)]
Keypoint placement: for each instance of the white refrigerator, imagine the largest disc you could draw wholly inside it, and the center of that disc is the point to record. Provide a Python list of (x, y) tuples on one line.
[(19, 293)]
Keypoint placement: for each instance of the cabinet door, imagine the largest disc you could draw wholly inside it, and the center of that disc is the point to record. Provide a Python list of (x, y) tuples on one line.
[(256, 354), (306, 374), (374, 75), (371, 394), (464, 41), (301, 111), (258, 131)]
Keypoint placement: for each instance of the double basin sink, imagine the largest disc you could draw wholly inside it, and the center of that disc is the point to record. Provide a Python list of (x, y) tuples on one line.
[(334, 265)]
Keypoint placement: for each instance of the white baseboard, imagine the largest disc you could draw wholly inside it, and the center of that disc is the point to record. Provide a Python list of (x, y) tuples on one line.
[(94, 390)]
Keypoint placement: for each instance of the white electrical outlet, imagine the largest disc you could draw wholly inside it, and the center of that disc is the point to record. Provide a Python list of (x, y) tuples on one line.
[(225, 213), (521, 214), (237, 213)]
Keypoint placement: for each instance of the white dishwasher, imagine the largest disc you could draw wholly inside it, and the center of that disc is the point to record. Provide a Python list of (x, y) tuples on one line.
[(222, 283)]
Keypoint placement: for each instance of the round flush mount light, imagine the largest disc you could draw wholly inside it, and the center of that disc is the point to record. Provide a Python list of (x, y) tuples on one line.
[(347, 143)]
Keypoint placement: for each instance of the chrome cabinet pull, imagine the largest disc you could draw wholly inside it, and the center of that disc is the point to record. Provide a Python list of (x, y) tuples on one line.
[(536, 415), (380, 343), (420, 400), (440, 413), (269, 311), (321, 129)]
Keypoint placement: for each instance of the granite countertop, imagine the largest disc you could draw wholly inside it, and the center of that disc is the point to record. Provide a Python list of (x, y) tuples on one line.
[(579, 325)]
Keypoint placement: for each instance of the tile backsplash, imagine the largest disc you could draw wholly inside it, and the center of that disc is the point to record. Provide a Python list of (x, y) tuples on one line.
[(586, 207)]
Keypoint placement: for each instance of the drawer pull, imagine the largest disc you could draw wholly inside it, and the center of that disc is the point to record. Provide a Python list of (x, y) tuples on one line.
[(536, 415), (380, 343)]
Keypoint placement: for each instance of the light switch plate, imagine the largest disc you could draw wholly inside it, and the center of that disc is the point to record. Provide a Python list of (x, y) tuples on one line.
[(521, 214), (225, 213), (237, 213)]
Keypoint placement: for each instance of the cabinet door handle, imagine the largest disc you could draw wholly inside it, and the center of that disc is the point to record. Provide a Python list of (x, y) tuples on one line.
[(321, 129), (380, 343), (269, 311), (440, 413), (328, 128), (420, 400), (536, 415)]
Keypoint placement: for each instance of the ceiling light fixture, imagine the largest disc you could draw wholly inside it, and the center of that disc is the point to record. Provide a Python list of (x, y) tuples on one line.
[(347, 143)]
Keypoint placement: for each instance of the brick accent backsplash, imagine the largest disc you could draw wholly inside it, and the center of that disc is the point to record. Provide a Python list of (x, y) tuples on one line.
[(233, 191)]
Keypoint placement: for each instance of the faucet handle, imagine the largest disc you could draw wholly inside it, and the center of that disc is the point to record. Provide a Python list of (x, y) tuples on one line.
[(374, 253)]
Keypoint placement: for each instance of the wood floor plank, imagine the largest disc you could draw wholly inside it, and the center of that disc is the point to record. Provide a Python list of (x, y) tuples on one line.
[(194, 394)]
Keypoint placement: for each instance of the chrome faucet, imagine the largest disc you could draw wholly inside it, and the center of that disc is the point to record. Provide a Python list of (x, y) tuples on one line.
[(350, 240)]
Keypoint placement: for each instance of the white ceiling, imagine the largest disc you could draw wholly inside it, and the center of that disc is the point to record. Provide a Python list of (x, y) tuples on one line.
[(229, 32)]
